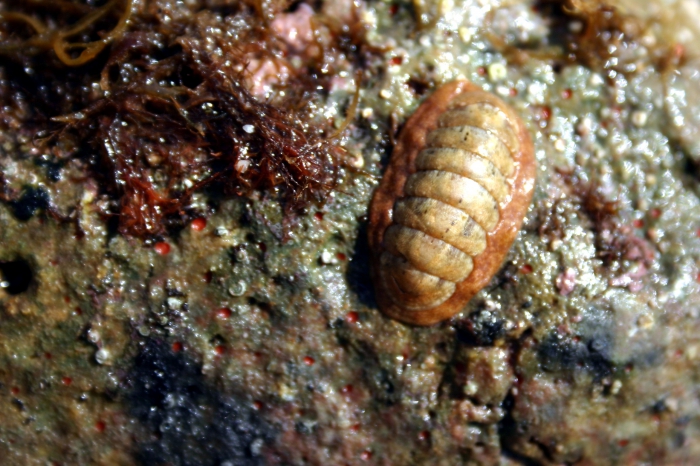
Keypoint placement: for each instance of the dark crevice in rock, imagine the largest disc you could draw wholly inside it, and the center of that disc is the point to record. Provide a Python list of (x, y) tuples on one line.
[(480, 329), (359, 279), (509, 428), (31, 200), (190, 422)]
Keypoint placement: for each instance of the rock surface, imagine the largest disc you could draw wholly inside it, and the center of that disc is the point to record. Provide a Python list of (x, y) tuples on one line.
[(249, 338)]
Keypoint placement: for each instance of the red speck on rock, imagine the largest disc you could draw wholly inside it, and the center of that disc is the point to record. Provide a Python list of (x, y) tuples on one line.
[(638, 223), (341, 256), (309, 361), (223, 313), (14, 390), (423, 435), (199, 224), (395, 61), (100, 426), (366, 455), (257, 405), (526, 269), (177, 347), (162, 248), (219, 349), (678, 51), (318, 216), (67, 381), (566, 94), (352, 317), (347, 389)]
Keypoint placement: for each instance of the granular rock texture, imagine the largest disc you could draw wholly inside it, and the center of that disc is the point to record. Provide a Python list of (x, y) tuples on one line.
[(203, 297)]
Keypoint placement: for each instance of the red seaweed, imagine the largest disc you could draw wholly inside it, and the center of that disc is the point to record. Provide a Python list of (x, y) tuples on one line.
[(160, 101)]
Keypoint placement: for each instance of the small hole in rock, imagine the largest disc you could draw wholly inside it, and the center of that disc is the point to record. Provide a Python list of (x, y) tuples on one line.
[(15, 276)]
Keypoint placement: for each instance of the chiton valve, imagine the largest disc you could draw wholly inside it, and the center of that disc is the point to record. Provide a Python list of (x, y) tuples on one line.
[(450, 203)]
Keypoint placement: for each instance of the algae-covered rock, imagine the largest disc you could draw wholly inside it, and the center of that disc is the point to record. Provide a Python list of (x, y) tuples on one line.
[(183, 254)]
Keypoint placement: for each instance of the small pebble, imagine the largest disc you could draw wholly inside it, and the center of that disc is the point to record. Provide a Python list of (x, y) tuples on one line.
[(328, 257), (615, 387), (174, 302), (497, 72), (639, 118), (256, 446), (465, 34), (575, 26), (102, 355), (503, 90), (596, 80), (93, 336)]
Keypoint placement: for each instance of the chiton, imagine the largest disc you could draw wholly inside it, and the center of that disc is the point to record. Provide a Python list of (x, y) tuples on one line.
[(450, 204)]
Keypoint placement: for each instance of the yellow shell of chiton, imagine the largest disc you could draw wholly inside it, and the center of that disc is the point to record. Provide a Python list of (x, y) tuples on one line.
[(473, 171)]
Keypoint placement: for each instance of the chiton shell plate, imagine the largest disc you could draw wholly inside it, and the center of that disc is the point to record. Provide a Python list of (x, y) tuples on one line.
[(450, 204)]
